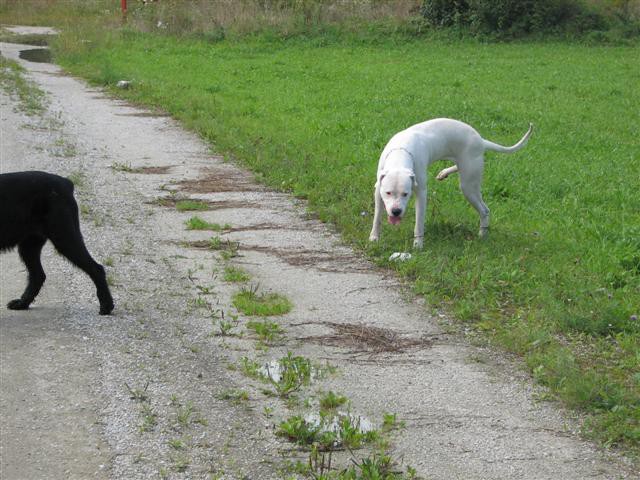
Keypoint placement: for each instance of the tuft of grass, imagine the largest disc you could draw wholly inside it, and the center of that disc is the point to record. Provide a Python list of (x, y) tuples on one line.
[(197, 223), (187, 414), (250, 368), (216, 243), (122, 167), (379, 466), (234, 395), (331, 401), (181, 462), (286, 376), (189, 205), (149, 418), (226, 326), (235, 275), (294, 373), (298, 430), (390, 422), (249, 302), (267, 332), (138, 394), (177, 444), (329, 432), (77, 178)]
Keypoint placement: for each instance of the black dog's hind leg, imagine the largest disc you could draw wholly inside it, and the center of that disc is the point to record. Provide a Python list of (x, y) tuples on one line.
[(29, 251), (67, 239)]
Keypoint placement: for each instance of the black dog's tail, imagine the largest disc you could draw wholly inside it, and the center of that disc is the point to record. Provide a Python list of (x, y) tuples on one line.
[(514, 148)]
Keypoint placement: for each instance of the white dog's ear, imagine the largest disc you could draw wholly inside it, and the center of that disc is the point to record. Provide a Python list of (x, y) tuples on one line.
[(381, 175)]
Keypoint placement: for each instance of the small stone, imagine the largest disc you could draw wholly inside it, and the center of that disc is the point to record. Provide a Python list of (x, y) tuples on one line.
[(124, 84)]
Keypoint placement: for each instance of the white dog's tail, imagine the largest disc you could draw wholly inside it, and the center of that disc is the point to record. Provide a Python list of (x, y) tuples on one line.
[(499, 148)]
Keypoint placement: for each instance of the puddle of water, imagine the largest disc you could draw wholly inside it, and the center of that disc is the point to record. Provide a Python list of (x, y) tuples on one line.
[(332, 424), (274, 370), (36, 55)]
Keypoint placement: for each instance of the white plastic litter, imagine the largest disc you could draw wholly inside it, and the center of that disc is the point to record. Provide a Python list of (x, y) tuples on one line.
[(399, 257)]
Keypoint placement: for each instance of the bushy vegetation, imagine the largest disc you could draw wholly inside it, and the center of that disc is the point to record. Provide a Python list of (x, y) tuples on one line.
[(517, 18), (595, 20)]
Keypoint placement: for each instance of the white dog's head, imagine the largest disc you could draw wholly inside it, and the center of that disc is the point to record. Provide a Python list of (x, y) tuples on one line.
[(395, 189)]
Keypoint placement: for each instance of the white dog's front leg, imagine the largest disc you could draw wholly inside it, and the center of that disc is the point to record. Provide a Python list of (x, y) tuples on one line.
[(377, 215), (421, 208)]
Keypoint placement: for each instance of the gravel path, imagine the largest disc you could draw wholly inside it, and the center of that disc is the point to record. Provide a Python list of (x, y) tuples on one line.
[(68, 375)]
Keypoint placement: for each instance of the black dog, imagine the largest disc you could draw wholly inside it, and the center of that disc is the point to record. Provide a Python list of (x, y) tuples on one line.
[(34, 207)]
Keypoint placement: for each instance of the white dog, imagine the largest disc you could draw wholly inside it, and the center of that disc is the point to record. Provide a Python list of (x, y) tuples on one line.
[(403, 166)]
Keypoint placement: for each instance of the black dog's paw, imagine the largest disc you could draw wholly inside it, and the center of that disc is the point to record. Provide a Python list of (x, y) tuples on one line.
[(17, 304), (106, 309)]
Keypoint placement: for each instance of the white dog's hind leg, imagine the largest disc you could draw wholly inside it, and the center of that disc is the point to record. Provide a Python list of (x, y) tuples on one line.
[(446, 172), (421, 209), (377, 216), (470, 181)]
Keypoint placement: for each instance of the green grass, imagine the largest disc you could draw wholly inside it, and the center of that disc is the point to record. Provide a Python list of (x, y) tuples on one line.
[(288, 375), (197, 223), (189, 205), (234, 395), (32, 100), (235, 275), (558, 282), (331, 401), (267, 332), (327, 432), (249, 302)]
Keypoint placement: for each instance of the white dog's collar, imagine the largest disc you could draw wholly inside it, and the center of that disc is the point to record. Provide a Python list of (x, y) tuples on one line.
[(399, 148)]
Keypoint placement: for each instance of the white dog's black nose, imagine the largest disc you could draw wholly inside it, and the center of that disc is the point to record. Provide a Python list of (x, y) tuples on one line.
[(396, 212)]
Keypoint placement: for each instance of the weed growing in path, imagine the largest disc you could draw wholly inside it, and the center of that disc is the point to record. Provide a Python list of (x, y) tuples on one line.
[(330, 401), (225, 326), (13, 81), (268, 333), (286, 375), (327, 432), (189, 205), (149, 418), (235, 275), (234, 395), (138, 394), (215, 243), (249, 302), (197, 223)]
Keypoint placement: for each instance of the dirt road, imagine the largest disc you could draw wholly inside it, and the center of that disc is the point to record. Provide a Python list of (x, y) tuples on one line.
[(154, 391)]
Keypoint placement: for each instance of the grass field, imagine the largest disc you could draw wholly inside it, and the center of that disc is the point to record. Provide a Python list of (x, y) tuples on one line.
[(558, 282)]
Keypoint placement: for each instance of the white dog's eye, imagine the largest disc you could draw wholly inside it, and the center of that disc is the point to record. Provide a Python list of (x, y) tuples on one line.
[(388, 193), (405, 194)]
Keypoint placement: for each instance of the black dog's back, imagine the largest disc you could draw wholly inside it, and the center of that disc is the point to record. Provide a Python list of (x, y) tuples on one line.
[(36, 207), (26, 201)]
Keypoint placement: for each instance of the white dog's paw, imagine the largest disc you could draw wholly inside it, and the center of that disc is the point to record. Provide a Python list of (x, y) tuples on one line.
[(484, 233), (417, 243), (374, 237)]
